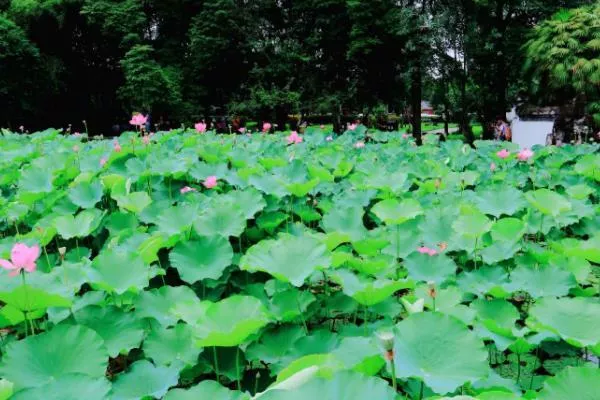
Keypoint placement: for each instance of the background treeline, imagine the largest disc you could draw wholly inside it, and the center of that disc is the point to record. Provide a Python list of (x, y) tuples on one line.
[(63, 61)]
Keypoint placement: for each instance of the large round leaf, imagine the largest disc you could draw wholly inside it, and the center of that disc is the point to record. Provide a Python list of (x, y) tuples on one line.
[(548, 202), (206, 390), (160, 304), (289, 258), (347, 221), (576, 320), (68, 387), (423, 267), (82, 225), (64, 350), (472, 224), (117, 271), (440, 350), (121, 331), (542, 282), (221, 221), (165, 346), (368, 291), (572, 383), (393, 212), (205, 258), (500, 200), (231, 321), (86, 194), (144, 379), (343, 385)]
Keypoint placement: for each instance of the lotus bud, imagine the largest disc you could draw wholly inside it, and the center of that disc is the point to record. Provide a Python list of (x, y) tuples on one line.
[(431, 289), (386, 339), (414, 308), (62, 251), (438, 183), (443, 246)]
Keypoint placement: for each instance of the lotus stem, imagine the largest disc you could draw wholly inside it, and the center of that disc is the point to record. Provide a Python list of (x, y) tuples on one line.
[(393, 368), (537, 354), (397, 242), (518, 367), (237, 368), (77, 245), (46, 254), (25, 313), (366, 318), (256, 382), (421, 390), (302, 315), (216, 362)]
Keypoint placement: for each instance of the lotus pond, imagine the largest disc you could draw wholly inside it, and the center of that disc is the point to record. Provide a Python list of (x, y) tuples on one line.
[(197, 266)]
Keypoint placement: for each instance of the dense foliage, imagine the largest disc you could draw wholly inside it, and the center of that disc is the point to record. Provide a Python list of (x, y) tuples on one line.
[(99, 60), (185, 265)]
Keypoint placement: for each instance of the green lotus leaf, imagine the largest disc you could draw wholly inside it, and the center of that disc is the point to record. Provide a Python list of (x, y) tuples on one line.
[(548, 202), (170, 345), (134, 202), (144, 380), (176, 220), (499, 251), (86, 194), (36, 180), (472, 225), (205, 258), (289, 258), (222, 221), (347, 221), (28, 299), (289, 305), (206, 390), (500, 311), (117, 271), (159, 304), (497, 201), (542, 281), (368, 291), (301, 189), (582, 382), (120, 331), (231, 321), (6, 389), (360, 354), (345, 385), (79, 226), (576, 320), (485, 280), (393, 212), (508, 230), (63, 351), (68, 387), (270, 221), (440, 350), (250, 201), (423, 267), (327, 364)]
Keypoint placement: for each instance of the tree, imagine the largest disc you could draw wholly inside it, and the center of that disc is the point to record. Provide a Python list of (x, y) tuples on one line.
[(563, 59), (20, 73)]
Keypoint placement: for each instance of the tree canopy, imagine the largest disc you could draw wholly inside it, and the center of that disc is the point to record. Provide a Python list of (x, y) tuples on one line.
[(182, 60)]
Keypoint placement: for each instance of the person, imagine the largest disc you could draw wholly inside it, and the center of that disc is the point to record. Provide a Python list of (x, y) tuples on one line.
[(502, 129)]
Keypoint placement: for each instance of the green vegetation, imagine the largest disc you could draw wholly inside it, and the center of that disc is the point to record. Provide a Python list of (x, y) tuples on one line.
[(185, 265)]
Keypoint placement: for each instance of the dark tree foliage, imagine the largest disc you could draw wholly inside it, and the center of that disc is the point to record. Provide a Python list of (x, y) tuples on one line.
[(183, 60)]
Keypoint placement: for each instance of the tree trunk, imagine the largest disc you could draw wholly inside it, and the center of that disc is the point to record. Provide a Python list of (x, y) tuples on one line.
[(416, 101)]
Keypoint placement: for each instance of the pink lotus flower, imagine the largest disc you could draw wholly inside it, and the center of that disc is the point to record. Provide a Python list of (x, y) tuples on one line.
[(22, 258), (322, 127), (210, 182), (404, 136), (117, 146), (77, 134), (200, 127), (525, 155), (138, 120), (352, 127), (267, 127), (359, 145), (503, 153), (187, 189), (427, 250), (493, 167), (242, 130), (102, 162), (329, 138), (294, 138), (146, 140)]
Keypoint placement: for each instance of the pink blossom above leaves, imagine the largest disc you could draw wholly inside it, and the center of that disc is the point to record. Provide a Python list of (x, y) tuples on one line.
[(22, 257)]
